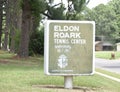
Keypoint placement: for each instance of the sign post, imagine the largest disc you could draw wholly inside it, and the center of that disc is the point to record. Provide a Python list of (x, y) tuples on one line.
[(69, 49), (68, 82)]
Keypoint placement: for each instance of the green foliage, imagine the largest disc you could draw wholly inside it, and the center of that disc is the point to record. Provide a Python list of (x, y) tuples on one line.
[(56, 13), (49, 9), (60, 11), (75, 9), (115, 4), (17, 39), (37, 6), (107, 18), (103, 17), (36, 45), (79, 5)]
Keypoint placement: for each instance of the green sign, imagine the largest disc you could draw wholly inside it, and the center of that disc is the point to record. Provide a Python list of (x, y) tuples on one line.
[(69, 47)]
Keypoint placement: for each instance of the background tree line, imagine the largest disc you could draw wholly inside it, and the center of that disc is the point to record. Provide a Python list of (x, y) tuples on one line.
[(21, 21), (107, 18), (20, 29)]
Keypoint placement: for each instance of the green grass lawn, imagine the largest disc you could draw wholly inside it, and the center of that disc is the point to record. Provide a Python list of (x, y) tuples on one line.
[(116, 75), (106, 54), (26, 75)]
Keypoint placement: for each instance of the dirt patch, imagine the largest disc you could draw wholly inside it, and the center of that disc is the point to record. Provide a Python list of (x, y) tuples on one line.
[(4, 61), (62, 89)]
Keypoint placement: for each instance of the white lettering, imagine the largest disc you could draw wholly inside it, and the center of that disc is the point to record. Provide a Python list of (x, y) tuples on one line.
[(55, 28), (66, 35), (78, 41), (62, 46), (61, 41), (66, 28), (56, 35)]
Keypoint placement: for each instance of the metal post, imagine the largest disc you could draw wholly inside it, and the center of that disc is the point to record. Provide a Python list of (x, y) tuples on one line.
[(68, 82)]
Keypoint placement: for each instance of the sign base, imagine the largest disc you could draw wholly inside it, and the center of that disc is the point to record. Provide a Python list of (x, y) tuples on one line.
[(68, 82)]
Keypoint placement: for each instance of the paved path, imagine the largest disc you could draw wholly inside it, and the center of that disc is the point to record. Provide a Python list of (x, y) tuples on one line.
[(110, 65)]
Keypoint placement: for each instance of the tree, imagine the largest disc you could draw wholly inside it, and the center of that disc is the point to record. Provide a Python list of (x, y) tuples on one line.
[(54, 11), (7, 26), (115, 5), (32, 13), (30, 20), (105, 19), (15, 23), (11, 23), (36, 45), (1, 13), (62, 12), (26, 27)]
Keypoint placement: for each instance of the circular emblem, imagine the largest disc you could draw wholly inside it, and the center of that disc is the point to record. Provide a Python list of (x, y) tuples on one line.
[(62, 61)]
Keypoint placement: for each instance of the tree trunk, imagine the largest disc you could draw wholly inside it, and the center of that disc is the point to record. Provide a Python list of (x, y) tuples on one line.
[(1, 13), (26, 22), (5, 44), (15, 23), (6, 28)]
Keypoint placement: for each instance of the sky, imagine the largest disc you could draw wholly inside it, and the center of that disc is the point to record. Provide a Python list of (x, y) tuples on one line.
[(94, 3)]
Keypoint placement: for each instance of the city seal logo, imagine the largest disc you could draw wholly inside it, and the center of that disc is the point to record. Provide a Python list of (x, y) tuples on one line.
[(62, 61)]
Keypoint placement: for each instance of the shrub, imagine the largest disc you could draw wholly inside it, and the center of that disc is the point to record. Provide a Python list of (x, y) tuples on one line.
[(36, 45)]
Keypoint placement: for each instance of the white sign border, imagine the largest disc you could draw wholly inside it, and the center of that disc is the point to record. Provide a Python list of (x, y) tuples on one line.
[(46, 47)]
